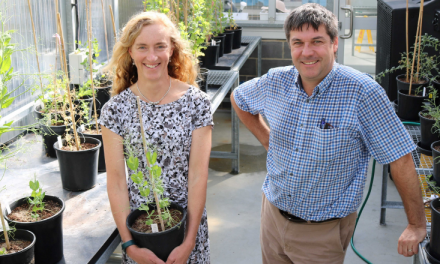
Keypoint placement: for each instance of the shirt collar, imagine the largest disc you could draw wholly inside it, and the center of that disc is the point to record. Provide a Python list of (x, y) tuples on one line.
[(323, 85)]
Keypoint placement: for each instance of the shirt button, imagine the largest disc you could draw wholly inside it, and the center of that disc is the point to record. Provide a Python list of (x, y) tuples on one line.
[(291, 174), (301, 125), (307, 100), (296, 149), (289, 195)]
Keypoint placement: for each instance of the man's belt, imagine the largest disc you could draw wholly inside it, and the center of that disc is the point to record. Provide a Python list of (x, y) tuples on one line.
[(297, 219)]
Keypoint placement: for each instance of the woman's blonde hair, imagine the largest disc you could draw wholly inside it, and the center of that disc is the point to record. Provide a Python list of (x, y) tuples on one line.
[(182, 65)]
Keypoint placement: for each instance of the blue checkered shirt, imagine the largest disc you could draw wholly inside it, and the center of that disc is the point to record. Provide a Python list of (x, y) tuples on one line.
[(315, 173)]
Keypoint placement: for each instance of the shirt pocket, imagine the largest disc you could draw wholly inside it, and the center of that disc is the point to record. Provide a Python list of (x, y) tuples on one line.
[(330, 144)]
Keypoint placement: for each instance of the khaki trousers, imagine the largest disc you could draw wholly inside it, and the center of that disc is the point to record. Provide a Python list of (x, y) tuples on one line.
[(283, 241)]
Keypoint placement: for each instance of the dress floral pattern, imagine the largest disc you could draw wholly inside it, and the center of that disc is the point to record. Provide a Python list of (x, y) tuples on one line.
[(168, 127)]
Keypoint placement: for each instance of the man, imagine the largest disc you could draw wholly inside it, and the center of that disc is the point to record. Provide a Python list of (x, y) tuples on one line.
[(326, 120)]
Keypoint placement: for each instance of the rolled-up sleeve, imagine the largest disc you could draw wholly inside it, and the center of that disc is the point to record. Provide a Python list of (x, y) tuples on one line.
[(251, 95), (383, 133)]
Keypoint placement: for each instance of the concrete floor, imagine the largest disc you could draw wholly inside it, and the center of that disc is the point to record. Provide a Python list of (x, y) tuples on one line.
[(234, 203)]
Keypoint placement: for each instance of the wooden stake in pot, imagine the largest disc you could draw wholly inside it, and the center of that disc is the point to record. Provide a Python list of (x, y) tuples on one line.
[(144, 141), (36, 47), (105, 29), (418, 35), (186, 13), (407, 43), (113, 21), (89, 37), (5, 232), (72, 112)]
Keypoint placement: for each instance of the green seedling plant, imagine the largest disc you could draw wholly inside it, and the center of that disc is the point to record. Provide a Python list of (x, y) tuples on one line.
[(148, 186), (160, 6), (428, 63), (232, 24), (36, 198)]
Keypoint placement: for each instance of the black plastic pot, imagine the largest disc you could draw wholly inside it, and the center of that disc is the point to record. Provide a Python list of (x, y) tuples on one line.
[(211, 56), (435, 229), (221, 38), (430, 258), (236, 42), (79, 169), (409, 106), (436, 165), (50, 135), (404, 86), (229, 36), (161, 243), (102, 97), (101, 159), (22, 257), (49, 232), (203, 84), (86, 118), (426, 134)]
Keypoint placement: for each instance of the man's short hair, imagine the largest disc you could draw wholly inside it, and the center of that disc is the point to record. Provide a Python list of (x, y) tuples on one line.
[(314, 15)]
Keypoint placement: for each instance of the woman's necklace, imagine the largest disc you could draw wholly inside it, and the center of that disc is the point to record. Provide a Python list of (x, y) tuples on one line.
[(157, 102)]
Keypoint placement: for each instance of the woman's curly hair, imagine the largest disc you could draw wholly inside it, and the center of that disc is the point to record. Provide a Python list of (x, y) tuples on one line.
[(182, 65)]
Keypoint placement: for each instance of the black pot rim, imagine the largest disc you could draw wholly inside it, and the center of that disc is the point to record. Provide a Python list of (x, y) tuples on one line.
[(422, 150), (205, 70), (41, 221), (407, 95), (91, 126), (421, 116), (158, 233), (397, 79), (26, 248), (432, 207), (106, 87), (434, 144), (55, 146), (427, 246)]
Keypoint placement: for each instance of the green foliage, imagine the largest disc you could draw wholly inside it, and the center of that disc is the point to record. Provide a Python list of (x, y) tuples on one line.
[(232, 24), (428, 64), (3, 251), (156, 5), (145, 184), (36, 198), (95, 53)]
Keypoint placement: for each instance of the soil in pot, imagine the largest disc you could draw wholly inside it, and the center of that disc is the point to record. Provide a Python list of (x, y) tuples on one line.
[(409, 105), (78, 169), (22, 248), (160, 243), (426, 134), (48, 228), (140, 226), (23, 212), (91, 132)]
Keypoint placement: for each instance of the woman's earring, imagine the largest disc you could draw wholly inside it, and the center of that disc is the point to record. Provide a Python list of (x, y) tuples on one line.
[(133, 63), (169, 61)]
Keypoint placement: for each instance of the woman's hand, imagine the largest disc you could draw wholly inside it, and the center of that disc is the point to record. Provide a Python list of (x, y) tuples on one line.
[(143, 255), (180, 254)]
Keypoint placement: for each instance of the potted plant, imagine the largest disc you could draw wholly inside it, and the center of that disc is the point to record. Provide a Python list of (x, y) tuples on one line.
[(42, 215), (429, 123), (236, 41), (78, 157), (157, 224), (433, 247)]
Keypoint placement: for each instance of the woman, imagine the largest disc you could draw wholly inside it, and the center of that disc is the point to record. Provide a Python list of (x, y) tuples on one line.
[(152, 61)]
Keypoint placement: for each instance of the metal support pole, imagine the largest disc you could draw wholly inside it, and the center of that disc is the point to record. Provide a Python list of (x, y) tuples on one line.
[(383, 210), (235, 136), (260, 48)]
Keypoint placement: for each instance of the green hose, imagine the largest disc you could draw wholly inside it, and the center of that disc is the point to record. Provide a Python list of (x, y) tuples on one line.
[(366, 199)]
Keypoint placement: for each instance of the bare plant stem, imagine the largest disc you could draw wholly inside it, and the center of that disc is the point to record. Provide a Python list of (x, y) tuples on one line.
[(113, 21), (5, 232), (420, 42), (36, 46), (186, 13), (69, 96), (144, 141), (55, 81)]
